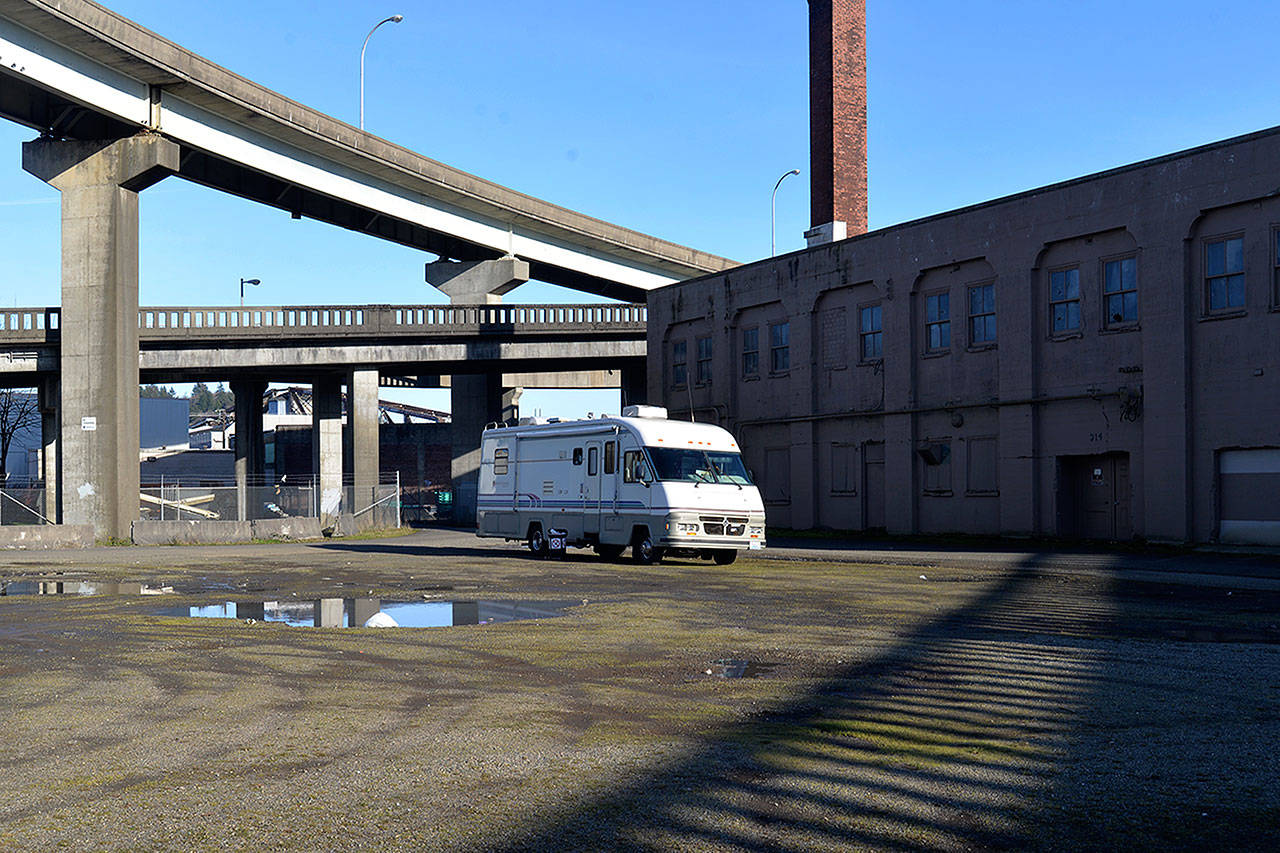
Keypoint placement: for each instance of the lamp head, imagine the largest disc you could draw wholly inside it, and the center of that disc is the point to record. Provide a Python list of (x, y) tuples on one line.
[(395, 19)]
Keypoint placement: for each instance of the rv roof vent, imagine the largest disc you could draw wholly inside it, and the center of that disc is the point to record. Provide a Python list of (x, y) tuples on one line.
[(644, 412), (553, 420), (532, 421)]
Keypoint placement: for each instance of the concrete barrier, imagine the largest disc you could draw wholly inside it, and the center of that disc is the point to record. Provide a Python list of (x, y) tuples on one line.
[(40, 536), (210, 532)]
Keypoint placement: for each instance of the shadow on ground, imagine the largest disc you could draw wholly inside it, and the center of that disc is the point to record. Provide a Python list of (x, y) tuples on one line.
[(1025, 718)]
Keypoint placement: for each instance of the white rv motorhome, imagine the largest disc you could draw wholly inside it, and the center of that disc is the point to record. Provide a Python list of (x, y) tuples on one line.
[(640, 481)]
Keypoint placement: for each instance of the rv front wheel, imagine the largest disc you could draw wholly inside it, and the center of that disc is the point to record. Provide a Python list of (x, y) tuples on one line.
[(644, 552), (537, 542), (724, 558)]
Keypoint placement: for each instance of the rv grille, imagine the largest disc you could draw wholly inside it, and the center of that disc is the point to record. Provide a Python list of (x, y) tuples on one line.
[(715, 525)]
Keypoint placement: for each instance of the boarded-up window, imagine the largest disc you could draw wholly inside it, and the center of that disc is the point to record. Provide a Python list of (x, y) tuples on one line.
[(936, 459), (777, 474), (835, 338), (981, 466), (844, 474)]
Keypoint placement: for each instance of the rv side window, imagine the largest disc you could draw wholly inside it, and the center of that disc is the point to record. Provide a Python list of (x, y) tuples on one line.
[(500, 461), (610, 457), (632, 466), (577, 456), (593, 461)]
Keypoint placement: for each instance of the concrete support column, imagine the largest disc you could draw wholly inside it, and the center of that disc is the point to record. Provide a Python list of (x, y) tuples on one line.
[(475, 402), (50, 427), (362, 417), (250, 448), (326, 446), (100, 182), (634, 382)]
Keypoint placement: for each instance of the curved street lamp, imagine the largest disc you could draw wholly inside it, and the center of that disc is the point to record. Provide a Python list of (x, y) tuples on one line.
[(773, 218), (250, 281), (394, 19)]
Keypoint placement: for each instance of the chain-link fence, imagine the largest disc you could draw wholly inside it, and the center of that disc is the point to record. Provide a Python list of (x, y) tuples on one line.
[(23, 505), (289, 497)]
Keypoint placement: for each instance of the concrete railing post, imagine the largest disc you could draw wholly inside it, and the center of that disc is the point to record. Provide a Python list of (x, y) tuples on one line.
[(100, 182)]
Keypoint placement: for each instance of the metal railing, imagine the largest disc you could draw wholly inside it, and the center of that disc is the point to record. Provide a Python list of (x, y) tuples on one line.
[(343, 321), (201, 499)]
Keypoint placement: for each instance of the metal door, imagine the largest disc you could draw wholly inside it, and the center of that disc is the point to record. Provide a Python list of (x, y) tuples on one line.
[(1096, 493)]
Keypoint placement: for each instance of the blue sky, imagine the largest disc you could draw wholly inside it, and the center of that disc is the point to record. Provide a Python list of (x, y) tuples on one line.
[(671, 118)]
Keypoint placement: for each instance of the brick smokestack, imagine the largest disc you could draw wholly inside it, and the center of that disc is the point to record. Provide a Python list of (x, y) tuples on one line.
[(837, 119)]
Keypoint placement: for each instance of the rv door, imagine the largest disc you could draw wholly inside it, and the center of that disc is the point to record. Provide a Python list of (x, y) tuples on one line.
[(591, 490)]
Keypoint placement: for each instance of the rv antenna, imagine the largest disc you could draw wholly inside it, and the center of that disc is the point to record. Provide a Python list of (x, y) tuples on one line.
[(689, 387)]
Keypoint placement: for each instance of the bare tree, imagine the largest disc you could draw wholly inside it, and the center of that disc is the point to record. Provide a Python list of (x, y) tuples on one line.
[(19, 410)]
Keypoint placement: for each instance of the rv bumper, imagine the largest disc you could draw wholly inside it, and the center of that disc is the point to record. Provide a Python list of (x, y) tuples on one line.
[(702, 532)]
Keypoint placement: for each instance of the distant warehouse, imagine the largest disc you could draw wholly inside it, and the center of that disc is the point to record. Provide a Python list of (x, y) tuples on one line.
[(1097, 359)]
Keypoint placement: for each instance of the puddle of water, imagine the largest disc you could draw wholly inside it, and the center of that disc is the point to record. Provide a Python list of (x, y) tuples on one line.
[(348, 612), (59, 587), (730, 668)]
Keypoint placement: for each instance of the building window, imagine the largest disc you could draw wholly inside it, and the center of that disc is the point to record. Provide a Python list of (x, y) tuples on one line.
[(936, 456), (500, 458), (780, 347), (982, 314), (981, 470), (1224, 274), (937, 322), (1064, 300), (751, 352), (1120, 289), (679, 364), (704, 360), (870, 336)]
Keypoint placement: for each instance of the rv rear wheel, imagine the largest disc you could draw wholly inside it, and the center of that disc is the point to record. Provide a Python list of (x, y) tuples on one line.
[(537, 542), (644, 552), (724, 558)]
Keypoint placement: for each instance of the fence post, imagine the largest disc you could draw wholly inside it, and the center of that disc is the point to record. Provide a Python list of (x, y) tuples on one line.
[(162, 497), (399, 495)]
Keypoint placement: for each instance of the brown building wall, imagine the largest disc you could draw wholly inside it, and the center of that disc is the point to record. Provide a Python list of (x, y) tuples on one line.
[(1108, 424)]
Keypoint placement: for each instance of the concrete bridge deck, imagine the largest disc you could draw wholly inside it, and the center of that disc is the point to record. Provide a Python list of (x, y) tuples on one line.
[(294, 343)]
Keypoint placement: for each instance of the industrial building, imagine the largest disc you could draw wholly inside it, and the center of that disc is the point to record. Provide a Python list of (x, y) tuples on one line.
[(1097, 359)]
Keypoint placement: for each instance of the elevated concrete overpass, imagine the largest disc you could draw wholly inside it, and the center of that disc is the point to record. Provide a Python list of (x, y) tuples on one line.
[(72, 69), (119, 108)]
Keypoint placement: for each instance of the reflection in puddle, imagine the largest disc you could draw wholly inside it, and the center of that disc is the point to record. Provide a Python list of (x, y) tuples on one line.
[(346, 612), (728, 668), (47, 587)]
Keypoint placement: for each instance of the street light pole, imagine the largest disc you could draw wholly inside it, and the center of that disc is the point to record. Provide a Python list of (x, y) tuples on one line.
[(394, 19), (773, 217), (250, 281)]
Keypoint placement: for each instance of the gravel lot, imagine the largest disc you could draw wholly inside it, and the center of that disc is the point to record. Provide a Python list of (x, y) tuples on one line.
[(899, 699)]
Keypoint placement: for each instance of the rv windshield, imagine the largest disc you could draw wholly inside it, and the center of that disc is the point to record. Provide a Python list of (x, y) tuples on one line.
[(699, 466)]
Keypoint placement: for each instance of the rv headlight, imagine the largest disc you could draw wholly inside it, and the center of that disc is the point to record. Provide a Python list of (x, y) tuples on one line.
[(686, 527)]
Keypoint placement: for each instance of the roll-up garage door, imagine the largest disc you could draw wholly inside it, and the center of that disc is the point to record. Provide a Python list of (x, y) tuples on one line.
[(1249, 496)]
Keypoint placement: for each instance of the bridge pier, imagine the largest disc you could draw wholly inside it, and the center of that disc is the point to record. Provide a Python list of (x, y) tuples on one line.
[(476, 400), (326, 446), (362, 417), (99, 182), (250, 447), (49, 429)]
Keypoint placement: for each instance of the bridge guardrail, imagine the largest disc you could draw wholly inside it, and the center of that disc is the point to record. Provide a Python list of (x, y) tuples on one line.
[(309, 321)]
